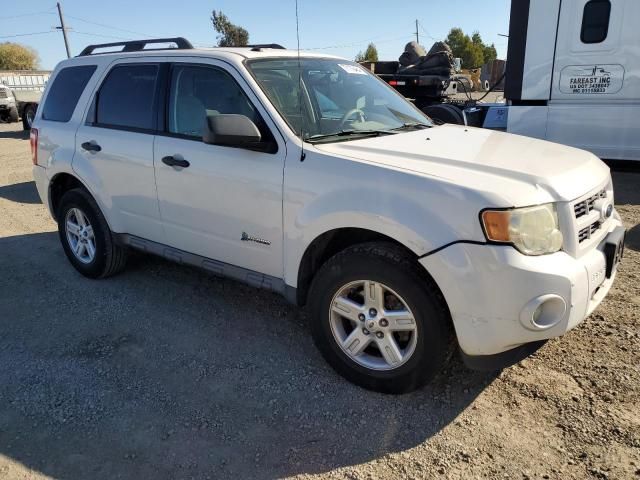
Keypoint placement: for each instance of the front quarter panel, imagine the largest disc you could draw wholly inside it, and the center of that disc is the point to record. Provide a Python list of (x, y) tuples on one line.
[(326, 192)]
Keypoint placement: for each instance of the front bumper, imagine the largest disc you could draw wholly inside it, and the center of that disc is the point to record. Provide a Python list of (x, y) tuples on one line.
[(490, 289), (6, 104)]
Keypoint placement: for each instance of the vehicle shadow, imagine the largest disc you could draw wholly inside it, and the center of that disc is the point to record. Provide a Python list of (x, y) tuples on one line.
[(25, 192), (165, 371), (626, 187), (633, 238), (15, 134)]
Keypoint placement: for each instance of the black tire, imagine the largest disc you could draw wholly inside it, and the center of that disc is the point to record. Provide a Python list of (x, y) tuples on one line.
[(110, 258), (13, 115), (28, 114), (445, 113), (388, 264)]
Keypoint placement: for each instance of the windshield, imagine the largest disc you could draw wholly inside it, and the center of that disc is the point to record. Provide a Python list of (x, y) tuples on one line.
[(337, 97)]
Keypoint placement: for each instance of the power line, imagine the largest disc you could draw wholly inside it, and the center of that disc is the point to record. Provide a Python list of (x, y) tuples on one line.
[(426, 33), (104, 25), (363, 42), (26, 34), (100, 35), (46, 12)]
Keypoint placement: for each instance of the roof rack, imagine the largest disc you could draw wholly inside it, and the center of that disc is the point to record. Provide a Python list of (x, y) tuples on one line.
[(137, 45), (260, 46)]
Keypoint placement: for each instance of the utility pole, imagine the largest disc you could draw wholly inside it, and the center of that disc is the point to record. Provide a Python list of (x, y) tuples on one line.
[(64, 30), (417, 37)]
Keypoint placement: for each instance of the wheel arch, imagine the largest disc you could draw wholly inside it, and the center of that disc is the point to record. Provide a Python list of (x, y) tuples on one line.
[(61, 183), (329, 243)]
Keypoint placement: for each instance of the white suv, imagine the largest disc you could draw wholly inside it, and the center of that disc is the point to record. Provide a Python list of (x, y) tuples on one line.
[(400, 236)]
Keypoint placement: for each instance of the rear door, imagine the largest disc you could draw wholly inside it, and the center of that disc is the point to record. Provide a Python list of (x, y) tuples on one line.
[(227, 204), (595, 91), (115, 143)]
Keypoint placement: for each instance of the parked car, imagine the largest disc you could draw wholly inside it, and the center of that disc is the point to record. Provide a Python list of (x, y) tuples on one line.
[(404, 239)]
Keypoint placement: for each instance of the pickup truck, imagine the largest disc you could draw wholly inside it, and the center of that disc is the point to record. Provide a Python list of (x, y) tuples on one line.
[(307, 175), (20, 93)]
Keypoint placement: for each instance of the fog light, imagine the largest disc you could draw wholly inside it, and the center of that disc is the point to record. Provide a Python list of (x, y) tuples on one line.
[(543, 312)]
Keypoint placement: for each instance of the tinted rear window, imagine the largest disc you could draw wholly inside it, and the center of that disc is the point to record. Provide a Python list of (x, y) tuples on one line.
[(126, 97), (65, 92)]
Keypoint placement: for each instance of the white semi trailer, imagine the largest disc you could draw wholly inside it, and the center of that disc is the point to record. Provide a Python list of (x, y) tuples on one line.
[(573, 74)]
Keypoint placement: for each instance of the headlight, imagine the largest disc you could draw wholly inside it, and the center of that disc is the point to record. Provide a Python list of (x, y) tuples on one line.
[(532, 230)]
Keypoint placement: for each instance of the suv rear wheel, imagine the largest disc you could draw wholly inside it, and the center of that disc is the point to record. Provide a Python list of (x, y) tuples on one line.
[(378, 320), (86, 238)]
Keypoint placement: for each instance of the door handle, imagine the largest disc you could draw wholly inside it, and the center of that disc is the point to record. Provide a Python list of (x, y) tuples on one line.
[(175, 162), (91, 146)]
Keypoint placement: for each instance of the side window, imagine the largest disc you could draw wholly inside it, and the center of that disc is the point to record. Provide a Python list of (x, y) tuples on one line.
[(197, 92), (65, 92), (595, 21), (126, 97)]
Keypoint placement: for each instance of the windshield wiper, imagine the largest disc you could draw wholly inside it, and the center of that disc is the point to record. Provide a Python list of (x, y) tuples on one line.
[(412, 125), (349, 133)]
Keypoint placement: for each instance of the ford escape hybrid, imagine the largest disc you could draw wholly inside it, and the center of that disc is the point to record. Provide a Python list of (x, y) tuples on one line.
[(403, 238)]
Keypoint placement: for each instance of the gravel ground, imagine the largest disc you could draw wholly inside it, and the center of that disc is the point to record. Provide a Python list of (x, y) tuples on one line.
[(167, 372)]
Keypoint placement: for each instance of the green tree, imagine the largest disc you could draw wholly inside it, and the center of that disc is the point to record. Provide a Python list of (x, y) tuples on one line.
[(14, 56), (490, 53), (472, 50), (458, 41), (369, 55), (229, 35), (477, 39), (473, 56)]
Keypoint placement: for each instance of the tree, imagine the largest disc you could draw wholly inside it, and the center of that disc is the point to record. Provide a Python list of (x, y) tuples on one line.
[(369, 55), (458, 41), (14, 56), (229, 35), (490, 53), (472, 50)]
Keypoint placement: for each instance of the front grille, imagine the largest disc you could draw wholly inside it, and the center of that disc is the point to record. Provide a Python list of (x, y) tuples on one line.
[(3, 93), (583, 208), (586, 232)]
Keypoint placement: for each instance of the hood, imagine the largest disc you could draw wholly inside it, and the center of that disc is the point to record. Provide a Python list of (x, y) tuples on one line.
[(521, 170)]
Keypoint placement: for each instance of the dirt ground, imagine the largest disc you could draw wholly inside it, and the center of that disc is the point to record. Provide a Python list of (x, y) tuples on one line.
[(167, 372)]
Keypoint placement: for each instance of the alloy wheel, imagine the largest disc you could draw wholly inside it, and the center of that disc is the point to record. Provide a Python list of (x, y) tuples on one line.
[(373, 325), (80, 235)]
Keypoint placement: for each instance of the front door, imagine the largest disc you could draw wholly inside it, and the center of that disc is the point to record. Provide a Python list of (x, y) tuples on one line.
[(227, 203)]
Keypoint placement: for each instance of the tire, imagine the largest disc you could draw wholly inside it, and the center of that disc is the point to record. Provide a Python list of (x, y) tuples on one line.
[(108, 257), (426, 354), (13, 115), (445, 113), (28, 114)]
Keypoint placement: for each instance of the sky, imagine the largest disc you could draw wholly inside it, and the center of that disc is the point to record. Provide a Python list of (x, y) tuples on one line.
[(337, 27)]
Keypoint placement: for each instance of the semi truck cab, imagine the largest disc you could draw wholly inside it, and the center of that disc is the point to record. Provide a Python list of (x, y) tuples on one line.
[(573, 74)]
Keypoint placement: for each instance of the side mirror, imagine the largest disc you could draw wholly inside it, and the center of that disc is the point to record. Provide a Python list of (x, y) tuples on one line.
[(231, 130)]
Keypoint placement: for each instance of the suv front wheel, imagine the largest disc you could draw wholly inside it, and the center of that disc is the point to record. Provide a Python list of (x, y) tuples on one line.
[(88, 242), (378, 320)]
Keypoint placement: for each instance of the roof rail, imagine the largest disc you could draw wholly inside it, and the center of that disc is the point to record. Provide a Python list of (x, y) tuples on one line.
[(260, 46), (137, 45)]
